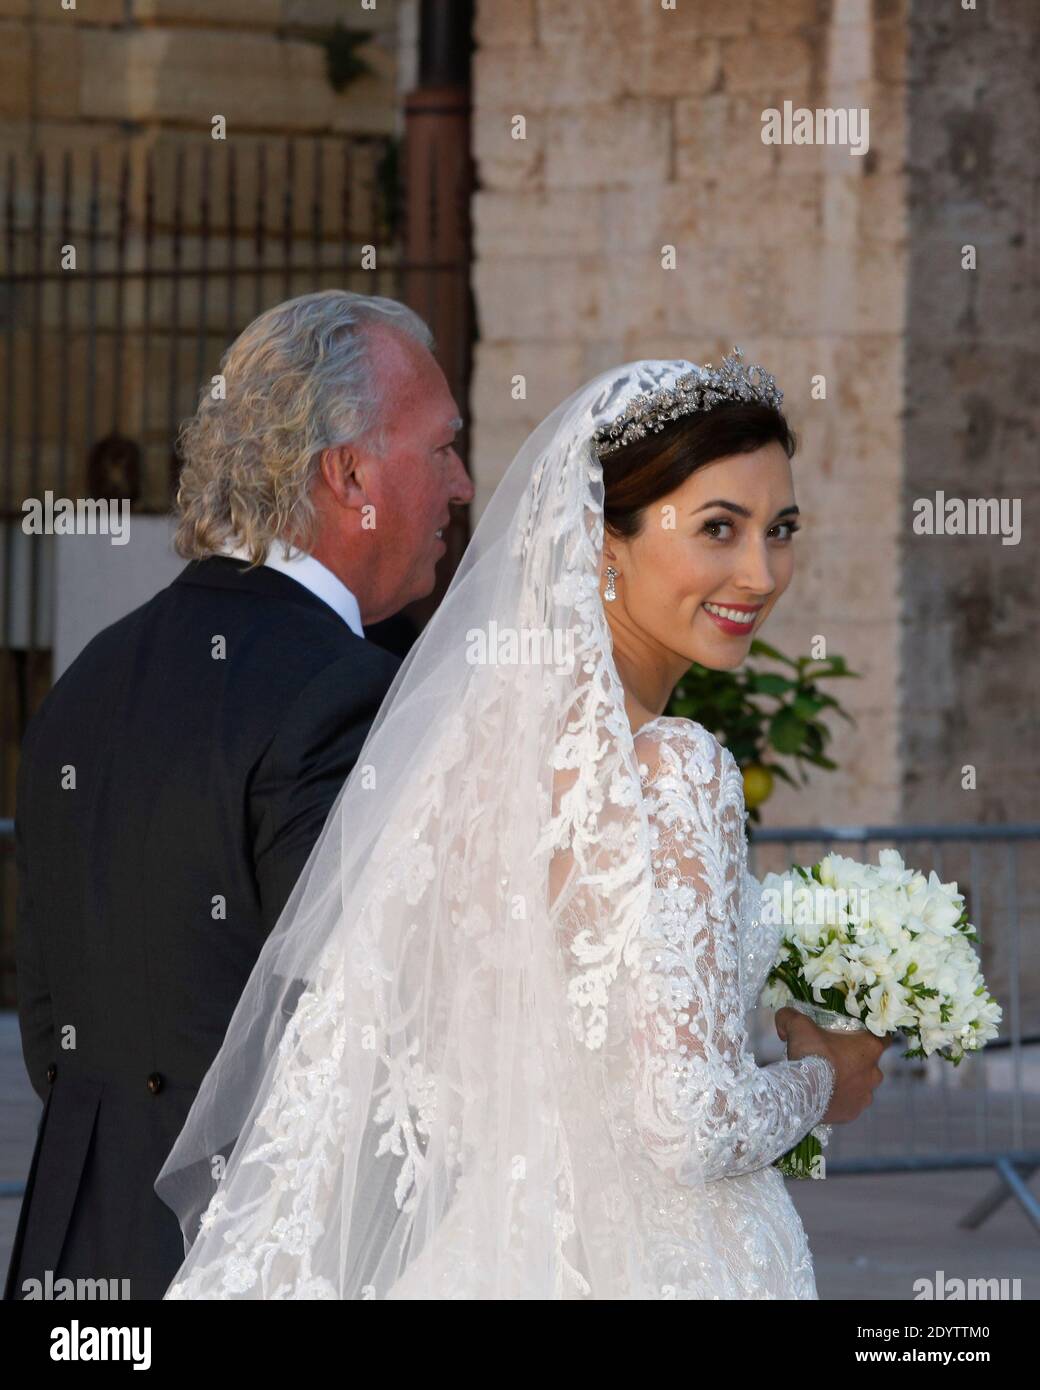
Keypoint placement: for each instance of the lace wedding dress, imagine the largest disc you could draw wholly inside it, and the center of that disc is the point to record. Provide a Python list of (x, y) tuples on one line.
[(703, 959), (496, 1046)]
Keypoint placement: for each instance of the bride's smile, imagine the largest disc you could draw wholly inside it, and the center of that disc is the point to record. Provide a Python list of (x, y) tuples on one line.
[(735, 619)]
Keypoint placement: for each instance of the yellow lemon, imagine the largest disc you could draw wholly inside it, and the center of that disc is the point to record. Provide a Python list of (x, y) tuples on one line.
[(758, 784)]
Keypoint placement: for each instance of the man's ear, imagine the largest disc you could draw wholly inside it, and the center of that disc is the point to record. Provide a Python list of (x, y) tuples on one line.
[(341, 472)]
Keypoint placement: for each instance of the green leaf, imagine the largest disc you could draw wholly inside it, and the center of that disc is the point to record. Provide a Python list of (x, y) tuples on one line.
[(782, 772), (786, 731), (818, 760), (764, 683), (343, 64), (815, 735), (759, 648), (807, 705)]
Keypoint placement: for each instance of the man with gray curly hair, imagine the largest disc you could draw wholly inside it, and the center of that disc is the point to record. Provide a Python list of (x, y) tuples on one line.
[(176, 778), (296, 447)]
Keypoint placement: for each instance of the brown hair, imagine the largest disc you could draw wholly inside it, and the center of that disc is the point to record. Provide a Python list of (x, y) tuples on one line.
[(639, 473)]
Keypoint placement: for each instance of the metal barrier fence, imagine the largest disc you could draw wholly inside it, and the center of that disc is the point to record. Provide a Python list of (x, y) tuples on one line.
[(929, 1115)]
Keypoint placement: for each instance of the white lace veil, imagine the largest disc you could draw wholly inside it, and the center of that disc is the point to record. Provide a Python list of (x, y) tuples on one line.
[(417, 1095)]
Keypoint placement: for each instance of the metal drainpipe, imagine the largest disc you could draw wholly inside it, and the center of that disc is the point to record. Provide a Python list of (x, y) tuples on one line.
[(438, 188)]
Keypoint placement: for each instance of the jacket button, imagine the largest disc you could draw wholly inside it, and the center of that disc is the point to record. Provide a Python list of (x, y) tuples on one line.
[(52, 1072), (155, 1083)]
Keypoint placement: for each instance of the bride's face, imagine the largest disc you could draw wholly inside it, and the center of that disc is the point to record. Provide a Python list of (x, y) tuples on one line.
[(722, 539)]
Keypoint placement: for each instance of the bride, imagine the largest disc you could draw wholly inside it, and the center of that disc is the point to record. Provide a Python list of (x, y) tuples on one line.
[(496, 1046)]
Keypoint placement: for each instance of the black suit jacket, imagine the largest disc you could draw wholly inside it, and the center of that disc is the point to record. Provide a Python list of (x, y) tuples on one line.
[(190, 754)]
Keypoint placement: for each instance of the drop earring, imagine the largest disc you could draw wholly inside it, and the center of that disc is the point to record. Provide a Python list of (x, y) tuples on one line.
[(610, 593)]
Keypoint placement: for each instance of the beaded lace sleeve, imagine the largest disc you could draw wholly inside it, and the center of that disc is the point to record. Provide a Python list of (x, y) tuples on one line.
[(704, 1107)]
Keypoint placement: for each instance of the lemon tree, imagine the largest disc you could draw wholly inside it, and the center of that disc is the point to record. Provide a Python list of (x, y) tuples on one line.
[(773, 722)]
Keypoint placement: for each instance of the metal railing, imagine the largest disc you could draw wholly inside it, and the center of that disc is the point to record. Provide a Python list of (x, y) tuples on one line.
[(929, 1115)]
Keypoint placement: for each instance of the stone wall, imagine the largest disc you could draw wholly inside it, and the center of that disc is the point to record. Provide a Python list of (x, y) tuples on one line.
[(970, 629), (643, 129), (111, 67)]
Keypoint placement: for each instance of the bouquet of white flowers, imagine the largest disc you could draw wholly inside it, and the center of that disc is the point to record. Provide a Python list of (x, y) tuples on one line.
[(879, 947)]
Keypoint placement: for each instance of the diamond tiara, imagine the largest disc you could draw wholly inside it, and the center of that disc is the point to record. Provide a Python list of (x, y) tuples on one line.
[(698, 390)]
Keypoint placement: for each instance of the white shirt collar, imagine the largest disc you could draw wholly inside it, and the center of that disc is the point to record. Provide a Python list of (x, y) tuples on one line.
[(313, 575)]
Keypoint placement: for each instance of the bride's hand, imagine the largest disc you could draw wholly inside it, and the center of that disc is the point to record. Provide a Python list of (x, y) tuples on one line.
[(855, 1057)]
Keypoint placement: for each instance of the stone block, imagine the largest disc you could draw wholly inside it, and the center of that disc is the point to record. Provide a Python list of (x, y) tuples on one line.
[(720, 133), (324, 14), (505, 23), (561, 77), (556, 301), (793, 15), (835, 289), (672, 69), (622, 22), (505, 161), (551, 371), (493, 448), (58, 71), (719, 292), (627, 143), (539, 222), (856, 209), (760, 64), (754, 212), (188, 76), (247, 14), (15, 69)]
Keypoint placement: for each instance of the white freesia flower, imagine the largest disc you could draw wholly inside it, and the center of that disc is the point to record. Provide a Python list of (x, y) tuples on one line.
[(879, 934), (775, 995), (891, 868), (887, 1008), (826, 970), (816, 911), (936, 909), (924, 953), (934, 884), (838, 871), (828, 869), (876, 963), (886, 911), (827, 906)]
